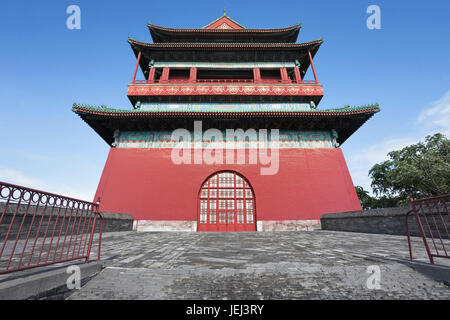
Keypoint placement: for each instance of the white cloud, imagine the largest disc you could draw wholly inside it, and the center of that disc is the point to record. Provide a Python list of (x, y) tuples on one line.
[(17, 177), (87, 195), (434, 119), (378, 152), (437, 118), (360, 163)]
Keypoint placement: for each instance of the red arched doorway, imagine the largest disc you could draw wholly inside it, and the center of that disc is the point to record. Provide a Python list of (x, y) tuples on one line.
[(226, 203)]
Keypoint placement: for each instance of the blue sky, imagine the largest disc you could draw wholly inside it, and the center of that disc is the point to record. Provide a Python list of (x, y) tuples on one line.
[(45, 67)]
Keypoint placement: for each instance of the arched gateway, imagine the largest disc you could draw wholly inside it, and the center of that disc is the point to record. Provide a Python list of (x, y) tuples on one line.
[(226, 203)]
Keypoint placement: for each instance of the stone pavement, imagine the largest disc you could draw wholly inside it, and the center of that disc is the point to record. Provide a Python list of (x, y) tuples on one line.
[(266, 265)]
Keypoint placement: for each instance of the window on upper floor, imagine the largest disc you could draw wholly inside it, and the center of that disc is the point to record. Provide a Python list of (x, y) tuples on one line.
[(217, 74), (270, 74), (179, 74)]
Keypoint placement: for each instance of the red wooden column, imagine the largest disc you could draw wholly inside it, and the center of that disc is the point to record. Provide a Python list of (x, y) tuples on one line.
[(284, 75), (256, 75), (312, 66), (165, 75), (193, 75), (133, 81), (298, 77), (151, 75)]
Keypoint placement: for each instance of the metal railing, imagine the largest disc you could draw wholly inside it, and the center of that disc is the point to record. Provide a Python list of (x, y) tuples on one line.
[(38, 228), (433, 221)]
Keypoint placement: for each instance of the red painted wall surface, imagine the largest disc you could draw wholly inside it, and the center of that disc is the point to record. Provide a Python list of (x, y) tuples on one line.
[(146, 184)]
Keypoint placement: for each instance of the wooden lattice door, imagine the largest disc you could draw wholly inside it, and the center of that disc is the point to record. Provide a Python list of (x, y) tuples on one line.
[(226, 203)]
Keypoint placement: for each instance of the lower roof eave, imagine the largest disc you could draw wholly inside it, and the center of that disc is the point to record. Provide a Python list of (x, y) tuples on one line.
[(106, 121)]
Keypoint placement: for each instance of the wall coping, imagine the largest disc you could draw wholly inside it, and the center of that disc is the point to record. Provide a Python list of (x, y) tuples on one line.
[(118, 216), (12, 207), (380, 212)]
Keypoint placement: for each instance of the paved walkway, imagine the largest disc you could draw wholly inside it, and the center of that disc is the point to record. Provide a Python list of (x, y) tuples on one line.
[(269, 265)]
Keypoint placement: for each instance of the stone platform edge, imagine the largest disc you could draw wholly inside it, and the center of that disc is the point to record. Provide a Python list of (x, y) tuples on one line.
[(191, 226), (49, 282)]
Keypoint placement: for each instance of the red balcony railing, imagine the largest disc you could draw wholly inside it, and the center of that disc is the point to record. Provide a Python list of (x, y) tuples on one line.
[(433, 223), (38, 228), (221, 81)]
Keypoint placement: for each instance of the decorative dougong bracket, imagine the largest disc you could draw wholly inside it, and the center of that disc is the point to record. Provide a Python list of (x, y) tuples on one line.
[(116, 138), (334, 136)]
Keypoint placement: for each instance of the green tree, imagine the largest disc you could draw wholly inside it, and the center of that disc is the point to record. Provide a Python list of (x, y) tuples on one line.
[(419, 170), (364, 198), (369, 202)]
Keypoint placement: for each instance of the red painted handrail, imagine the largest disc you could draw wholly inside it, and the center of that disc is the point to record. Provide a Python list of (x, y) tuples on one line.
[(39, 228), (432, 218)]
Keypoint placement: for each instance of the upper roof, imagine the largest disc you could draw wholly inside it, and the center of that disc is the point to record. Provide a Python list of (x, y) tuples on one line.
[(224, 29), (215, 45), (105, 120)]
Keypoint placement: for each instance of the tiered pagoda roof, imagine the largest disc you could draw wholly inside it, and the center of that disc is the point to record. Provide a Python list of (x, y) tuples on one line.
[(224, 43), (219, 39)]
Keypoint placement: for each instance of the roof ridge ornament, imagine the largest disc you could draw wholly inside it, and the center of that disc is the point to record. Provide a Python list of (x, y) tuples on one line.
[(237, 25)]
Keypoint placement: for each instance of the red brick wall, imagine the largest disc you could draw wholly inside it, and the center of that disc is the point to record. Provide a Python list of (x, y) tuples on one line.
[(146, 184)]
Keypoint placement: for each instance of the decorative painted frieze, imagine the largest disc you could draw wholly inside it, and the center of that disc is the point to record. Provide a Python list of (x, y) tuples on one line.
[(224, 65), (286, 140), (223, 107), (231, 89)]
